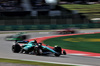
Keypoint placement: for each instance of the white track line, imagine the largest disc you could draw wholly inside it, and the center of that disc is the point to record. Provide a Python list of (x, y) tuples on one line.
[(43, 32), (49, 62), (77, 54)]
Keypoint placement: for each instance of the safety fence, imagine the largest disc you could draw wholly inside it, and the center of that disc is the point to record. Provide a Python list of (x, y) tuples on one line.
[(47, 27), (43, 20)]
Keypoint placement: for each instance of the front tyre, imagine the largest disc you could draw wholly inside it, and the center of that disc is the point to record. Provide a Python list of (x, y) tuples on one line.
[(64, 52), (58, 50)]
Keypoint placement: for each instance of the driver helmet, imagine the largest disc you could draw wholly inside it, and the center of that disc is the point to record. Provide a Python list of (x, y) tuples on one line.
[(40, 44), (56, 46)]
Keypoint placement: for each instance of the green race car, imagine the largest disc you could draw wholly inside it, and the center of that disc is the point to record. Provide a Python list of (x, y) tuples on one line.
[(16, 37)]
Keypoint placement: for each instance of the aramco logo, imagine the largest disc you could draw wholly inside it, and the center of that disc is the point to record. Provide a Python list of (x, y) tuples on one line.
[(82, 39)]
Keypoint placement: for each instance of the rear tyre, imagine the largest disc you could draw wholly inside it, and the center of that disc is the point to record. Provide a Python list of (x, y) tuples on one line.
[(23, 37), (16, 48)]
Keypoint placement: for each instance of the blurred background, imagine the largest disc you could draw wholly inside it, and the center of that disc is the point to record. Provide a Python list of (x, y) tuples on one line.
[(48, 14)]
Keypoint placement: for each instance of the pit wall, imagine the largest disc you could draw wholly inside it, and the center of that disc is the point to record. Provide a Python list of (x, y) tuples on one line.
[(47, 27)]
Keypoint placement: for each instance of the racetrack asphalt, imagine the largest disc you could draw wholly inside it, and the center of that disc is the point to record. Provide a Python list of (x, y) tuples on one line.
[(5, 52)]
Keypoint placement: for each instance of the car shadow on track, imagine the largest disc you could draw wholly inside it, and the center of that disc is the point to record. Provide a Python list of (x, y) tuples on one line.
[(62, 56)]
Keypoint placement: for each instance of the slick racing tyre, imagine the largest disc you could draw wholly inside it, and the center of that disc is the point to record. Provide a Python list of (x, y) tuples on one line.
[(38, 51), (58, 50), (64, 52), (16, 48)]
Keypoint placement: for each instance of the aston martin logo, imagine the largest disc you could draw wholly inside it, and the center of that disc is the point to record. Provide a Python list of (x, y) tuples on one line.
[(83, 39)]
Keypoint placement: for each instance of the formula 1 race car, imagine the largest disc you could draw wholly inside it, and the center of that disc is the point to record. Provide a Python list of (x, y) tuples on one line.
[(44, 50), (66, 31), (37, 49), (16, 37)]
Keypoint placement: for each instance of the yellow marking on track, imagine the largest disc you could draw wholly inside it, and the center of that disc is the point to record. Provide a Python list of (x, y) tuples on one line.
[(83, 39)]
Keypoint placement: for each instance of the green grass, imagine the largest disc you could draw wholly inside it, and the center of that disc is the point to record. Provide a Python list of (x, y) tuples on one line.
[(88, 10), (88, 42), (31, 62)]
